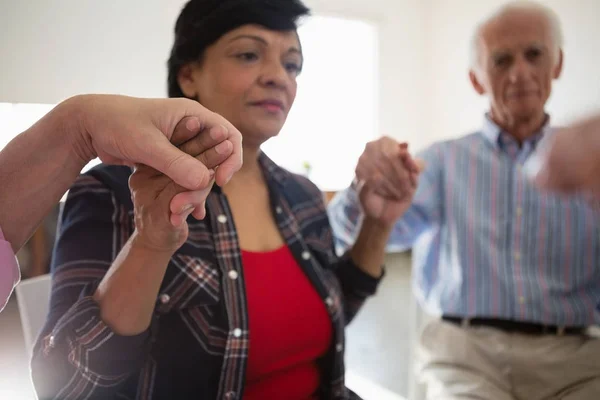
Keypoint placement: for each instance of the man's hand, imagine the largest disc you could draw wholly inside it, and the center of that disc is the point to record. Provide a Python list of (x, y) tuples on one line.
[(386, 180), (571, 163), (161, 206), (129, 131)]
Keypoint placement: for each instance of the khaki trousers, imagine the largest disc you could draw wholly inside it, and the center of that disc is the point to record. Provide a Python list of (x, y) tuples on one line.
[(458, 362)]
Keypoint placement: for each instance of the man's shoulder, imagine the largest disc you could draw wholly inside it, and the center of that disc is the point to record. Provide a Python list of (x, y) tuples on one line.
[(453, 143)]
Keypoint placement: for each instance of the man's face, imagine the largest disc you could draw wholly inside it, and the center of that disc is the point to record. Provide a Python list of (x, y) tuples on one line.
[(517, 63)]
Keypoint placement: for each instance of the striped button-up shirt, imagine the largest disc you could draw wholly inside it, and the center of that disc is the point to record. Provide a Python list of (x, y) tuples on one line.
[(197, 344), (486, 242)]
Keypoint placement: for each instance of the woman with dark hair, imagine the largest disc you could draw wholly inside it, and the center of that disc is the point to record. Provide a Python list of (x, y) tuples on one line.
[(250, 301)]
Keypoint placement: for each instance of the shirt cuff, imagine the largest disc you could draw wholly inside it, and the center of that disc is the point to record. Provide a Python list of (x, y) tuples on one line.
[(92, 345), (351, 276)]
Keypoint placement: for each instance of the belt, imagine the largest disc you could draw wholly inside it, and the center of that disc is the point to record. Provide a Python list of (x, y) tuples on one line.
[(516, 326)]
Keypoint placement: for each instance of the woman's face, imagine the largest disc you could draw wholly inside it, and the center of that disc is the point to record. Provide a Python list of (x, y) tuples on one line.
[(249, 77)]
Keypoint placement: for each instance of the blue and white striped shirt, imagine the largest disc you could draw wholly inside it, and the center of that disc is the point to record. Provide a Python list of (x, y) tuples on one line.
[(486, 242)]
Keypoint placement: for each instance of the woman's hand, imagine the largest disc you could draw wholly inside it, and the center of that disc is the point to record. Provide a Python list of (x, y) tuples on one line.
[(161, 206), (386, 182)]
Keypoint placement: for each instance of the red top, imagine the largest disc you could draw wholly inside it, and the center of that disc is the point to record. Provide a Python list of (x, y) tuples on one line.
[(289, 328)]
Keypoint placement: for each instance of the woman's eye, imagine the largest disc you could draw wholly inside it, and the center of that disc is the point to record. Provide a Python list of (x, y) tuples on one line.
[(293, 68), (247, 56)]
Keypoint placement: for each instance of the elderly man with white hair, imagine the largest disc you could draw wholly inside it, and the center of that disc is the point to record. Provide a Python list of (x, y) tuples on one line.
[(512, 271)]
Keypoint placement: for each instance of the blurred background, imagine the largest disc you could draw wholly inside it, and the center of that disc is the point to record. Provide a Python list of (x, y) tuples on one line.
[(372, 68)]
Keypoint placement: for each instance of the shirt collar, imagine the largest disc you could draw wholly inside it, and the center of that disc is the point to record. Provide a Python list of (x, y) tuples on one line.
[(493, 133), (273, 173)]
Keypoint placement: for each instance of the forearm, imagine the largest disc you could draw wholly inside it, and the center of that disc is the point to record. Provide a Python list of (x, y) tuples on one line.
[(127, 294), (36, 169), (368, 252)]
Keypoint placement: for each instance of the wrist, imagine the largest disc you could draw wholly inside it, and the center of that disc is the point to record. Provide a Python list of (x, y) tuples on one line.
[(140, 244), (73, 112), (377, 227)]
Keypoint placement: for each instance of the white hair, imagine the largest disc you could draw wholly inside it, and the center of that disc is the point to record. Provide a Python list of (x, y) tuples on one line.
[(519, 5)]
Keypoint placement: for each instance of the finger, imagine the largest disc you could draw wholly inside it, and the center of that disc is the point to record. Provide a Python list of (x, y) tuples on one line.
[(200, 212), (182, 168), (178, 219), (396, 179), (184, 201), (215, 156), (409, 162), (188, 128), (234, 162), (205, 141), (384, 187)]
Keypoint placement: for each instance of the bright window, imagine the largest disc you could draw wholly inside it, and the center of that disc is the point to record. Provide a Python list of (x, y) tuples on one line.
[(15, 118), (335, 112)]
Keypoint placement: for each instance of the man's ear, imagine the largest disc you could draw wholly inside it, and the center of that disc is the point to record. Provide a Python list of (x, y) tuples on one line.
[(475, 82), (559, 65), (186, 81)]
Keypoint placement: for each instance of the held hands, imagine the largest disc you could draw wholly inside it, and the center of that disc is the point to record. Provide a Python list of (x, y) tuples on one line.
[(127, 131), (386, 180), (161, 206)]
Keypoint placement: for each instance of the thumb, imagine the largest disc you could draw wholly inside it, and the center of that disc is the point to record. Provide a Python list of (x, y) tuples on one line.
[(182, 168)]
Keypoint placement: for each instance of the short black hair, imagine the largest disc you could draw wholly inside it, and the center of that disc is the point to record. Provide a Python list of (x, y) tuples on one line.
[(202, 22)]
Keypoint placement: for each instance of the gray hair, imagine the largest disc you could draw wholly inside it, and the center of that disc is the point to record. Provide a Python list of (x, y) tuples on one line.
[(519, 5)]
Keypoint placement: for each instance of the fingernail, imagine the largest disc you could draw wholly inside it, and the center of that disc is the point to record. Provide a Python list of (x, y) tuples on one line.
[(186, 208), (227, 180), (222, 148), (211, 174), (215, 132), (192, 124)]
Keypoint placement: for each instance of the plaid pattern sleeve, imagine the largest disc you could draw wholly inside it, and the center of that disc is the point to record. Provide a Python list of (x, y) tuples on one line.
[(77, 356)]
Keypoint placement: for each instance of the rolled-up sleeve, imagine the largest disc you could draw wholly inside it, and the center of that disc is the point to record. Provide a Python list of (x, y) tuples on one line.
[(9, 271), (77, 355), (346, 215), (356, 285)]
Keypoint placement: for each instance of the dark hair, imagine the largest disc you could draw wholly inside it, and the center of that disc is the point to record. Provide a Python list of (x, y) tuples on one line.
[(202, 22)]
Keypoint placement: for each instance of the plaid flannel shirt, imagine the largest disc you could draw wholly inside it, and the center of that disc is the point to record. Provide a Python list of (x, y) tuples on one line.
[(197, 344)]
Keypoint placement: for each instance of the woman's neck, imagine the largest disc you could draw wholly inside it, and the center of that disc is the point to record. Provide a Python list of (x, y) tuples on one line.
[(250, 170)]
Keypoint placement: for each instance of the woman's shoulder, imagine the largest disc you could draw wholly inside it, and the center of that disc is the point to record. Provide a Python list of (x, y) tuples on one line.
[(114, 178), (295, 186)]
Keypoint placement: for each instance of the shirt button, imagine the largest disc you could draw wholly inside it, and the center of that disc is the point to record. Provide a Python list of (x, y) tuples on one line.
[(230, 395), (521, 300), (305, 255), (278, 210), (233, 275), (519, 211), (329, 302), (222, 218), (339, 347), (517, 256), (237, 332), (164, 298)]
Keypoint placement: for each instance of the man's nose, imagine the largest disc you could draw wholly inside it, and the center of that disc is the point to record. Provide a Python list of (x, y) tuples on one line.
[(520, 70)]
